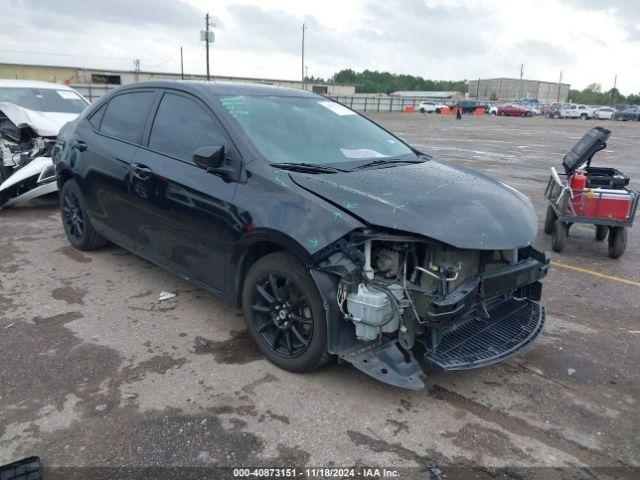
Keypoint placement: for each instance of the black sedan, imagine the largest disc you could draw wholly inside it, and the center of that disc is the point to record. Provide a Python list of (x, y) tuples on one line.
[(631, 113), (333, 235)]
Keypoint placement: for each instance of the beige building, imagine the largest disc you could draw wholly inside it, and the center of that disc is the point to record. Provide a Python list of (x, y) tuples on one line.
[(513, 89), (93, 83)]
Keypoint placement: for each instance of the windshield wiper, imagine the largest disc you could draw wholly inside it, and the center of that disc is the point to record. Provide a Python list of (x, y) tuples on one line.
[(385, 161), (306, 167)]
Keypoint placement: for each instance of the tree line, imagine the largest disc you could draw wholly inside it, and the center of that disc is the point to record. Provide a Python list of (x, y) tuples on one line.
[(372, 81)]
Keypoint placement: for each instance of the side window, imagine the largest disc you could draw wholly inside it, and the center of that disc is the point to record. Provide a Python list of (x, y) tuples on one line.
[(96, 117), (125, 114), (182, 126)]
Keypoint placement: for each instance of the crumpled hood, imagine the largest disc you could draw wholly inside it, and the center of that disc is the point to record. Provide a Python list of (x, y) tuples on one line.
[(45, 124), (436, 199)]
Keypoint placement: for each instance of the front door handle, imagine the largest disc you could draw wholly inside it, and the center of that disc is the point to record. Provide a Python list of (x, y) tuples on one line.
[(80, 145), (141, 172)]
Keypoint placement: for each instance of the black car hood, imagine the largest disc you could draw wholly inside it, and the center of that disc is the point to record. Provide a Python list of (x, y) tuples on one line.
[(436, 199)]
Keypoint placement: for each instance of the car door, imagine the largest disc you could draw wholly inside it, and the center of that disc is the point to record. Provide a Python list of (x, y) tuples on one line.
[(186, 218), (104, 146)]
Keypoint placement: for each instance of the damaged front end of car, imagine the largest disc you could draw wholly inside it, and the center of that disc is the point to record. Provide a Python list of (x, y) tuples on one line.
[(26, 168), (389, 296)]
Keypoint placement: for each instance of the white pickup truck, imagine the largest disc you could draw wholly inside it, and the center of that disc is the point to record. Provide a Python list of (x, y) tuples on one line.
[(572, 110)]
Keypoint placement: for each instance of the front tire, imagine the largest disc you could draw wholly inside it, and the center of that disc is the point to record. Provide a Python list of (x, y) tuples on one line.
[(76, 221), (284, 313)]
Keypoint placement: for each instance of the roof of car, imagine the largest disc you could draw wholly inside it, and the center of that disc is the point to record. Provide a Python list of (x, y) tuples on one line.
[(224, 88), (33, 84)]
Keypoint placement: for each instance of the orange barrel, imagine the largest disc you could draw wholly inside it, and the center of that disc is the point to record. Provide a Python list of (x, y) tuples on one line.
[(409, 109), (479, 111)]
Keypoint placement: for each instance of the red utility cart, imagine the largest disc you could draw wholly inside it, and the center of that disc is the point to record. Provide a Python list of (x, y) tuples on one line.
[(602, 198)]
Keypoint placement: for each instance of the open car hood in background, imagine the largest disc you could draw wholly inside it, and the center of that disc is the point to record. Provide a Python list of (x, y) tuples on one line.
[(435, 199), (45, 124)]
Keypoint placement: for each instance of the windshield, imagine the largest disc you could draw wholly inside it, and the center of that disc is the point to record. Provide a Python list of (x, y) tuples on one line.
[(44, 99), (310, 130)]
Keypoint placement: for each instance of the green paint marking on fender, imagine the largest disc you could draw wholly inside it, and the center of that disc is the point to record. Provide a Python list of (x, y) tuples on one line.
[(278, 180), (313, 242), (351, 206), (337, 215)]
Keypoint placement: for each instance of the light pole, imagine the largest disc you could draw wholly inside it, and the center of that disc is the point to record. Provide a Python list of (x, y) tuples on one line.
[(207, 36)]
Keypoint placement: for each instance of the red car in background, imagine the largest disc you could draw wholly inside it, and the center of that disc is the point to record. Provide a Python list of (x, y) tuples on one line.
[(513, 111)]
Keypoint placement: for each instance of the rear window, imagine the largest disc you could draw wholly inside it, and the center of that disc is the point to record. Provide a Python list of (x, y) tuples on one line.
[(44, 99), (125, 114)]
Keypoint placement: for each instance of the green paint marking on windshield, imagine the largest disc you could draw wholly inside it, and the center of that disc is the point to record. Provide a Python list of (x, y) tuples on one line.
[(337, 215), (236, 106), (395, 209), (313, 242), (351, 206)]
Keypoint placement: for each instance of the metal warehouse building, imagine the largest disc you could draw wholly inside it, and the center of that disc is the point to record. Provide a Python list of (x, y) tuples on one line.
[(513, 89), (93, 83)]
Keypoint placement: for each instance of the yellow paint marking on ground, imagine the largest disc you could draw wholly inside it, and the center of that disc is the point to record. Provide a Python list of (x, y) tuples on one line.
[(596, 274)]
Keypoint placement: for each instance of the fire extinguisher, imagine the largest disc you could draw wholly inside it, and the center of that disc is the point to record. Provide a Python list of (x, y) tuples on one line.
[(578, 180)]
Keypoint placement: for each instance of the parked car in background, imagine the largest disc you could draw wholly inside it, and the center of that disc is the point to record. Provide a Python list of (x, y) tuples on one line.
[(605, 113), (431, 107), (552, 111), (470, 106), (279, 201), (493, 109), (534, 110), (513, 110), (573, 110), (631, 113)]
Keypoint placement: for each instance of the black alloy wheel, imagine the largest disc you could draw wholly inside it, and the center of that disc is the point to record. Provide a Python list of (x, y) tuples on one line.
[(285, 313), (75, 219), (72, 216), (282, 316)]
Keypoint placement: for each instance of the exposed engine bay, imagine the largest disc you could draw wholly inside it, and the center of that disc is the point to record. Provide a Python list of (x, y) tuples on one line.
[(464, 308), (26, 168)]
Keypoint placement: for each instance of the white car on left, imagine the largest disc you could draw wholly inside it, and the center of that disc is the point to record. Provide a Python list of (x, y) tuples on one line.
[(31, 115), (431, 107)]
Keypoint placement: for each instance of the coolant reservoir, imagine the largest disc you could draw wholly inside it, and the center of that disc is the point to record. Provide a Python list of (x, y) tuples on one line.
[(374, 307)]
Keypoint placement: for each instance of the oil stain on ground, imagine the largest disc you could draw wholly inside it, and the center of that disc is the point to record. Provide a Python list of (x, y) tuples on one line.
[(71, 295), (238, 349)]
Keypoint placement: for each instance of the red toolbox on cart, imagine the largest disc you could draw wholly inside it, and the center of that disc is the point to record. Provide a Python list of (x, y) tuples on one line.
[(603, 203)]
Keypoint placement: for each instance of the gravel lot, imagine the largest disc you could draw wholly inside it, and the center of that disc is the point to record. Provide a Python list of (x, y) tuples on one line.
[(95, 371)]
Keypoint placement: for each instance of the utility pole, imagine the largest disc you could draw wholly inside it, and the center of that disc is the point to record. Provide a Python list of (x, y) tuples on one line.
[(207, 37), (559, 85), (181, 65), (304, 27), (136, 70), (521, 70), (615, 83)]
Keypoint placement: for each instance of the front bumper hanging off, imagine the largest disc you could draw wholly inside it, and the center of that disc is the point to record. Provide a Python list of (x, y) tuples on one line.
[(460, 336)]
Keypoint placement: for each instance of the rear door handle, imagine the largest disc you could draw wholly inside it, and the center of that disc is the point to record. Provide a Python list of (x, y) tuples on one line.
[(140, 171), (80, 145)]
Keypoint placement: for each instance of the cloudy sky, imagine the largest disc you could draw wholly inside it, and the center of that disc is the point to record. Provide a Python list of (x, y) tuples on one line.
[(589, 40)]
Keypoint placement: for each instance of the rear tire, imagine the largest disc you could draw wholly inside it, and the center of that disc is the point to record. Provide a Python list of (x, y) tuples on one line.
[(601, 232), (76, 221), (584, 116), (295, 340), (617, 241), (559, 236), (549, 220)]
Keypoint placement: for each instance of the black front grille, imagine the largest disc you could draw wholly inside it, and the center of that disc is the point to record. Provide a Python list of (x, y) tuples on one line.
[(478, 342)]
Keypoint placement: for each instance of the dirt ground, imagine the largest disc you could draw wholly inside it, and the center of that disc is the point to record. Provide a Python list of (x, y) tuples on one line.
[(96, 371)]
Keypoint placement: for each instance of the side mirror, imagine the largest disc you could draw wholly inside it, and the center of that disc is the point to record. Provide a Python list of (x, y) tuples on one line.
[(211, 157)]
